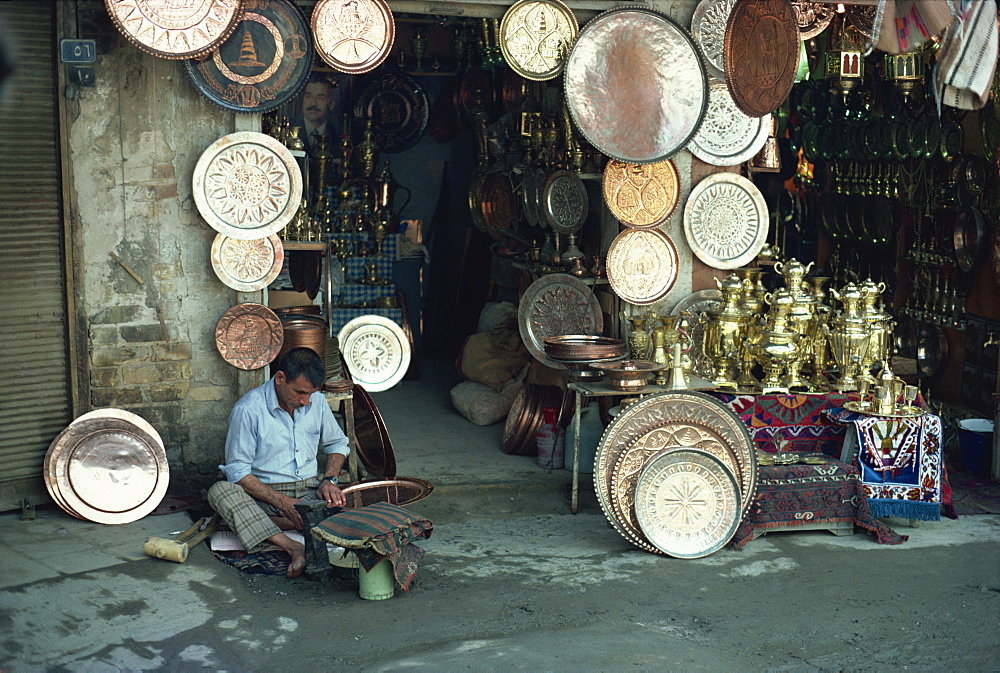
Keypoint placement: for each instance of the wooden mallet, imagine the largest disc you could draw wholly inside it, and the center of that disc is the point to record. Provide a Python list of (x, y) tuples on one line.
[(177, 550)]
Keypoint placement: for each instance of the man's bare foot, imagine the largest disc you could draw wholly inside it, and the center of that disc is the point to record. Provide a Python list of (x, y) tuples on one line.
[(295, 549), (298, 564)]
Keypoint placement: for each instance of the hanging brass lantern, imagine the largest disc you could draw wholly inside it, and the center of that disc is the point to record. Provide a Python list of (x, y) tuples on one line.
[(906, 71), (845, 62)]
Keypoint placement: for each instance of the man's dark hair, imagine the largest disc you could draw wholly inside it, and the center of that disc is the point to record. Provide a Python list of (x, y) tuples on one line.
[(303, 362)]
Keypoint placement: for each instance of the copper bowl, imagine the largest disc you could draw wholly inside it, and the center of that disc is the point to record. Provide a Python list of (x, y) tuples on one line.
[(628, 376)]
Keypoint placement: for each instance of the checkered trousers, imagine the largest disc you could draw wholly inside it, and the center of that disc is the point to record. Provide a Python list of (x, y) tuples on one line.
[(249, 517)]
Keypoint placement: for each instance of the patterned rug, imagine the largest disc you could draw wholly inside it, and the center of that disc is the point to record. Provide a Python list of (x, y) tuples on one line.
[(974, 495), (260, 563)]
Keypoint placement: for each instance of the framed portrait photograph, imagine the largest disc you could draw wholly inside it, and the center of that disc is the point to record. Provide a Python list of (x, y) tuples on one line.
[(319, 108)]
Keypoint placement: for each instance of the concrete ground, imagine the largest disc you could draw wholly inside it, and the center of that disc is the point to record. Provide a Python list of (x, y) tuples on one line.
[(511, 581)]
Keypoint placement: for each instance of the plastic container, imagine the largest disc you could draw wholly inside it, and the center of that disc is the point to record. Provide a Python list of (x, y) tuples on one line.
[(975, 442), (591, 429), (377, 584), (551, 440)]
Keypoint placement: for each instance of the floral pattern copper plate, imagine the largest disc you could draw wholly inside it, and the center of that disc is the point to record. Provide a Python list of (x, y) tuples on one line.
[(247, 185), (498, 205), (635, 85), (642, 265), (727, 137), (535, 36), (687, 503), (554, 305), (397, 108), (247, 266), (726, 221), (262, 65), (353, 37), (175, 30), (708, 28), (376, 351), (813, 17), (564, 202), (761, 54), (641, 196), (248, 336)]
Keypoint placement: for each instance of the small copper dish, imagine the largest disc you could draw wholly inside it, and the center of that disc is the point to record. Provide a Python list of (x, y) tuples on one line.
[(628, 376)]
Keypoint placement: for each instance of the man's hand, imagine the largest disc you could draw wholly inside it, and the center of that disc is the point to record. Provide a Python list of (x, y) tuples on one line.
[(332, 494), (287, 507)]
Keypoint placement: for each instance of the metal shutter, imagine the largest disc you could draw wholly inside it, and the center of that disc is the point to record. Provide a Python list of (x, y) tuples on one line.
[(35, 403)]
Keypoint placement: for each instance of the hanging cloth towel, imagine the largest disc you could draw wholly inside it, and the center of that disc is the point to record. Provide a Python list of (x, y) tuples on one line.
[(967, 58)]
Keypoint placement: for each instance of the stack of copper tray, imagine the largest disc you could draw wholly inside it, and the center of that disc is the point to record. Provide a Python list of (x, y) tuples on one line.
[(675, 473), (108, 466), (579, 351), (525, 417)]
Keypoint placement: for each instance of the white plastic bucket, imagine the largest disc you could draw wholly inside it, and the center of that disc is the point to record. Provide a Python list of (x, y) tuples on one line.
[(377, 584)]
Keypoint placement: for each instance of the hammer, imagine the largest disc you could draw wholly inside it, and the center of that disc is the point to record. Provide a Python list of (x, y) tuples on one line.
[(177, 550)]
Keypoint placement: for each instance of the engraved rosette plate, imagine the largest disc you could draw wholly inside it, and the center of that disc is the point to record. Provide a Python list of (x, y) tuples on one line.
[(244, 265), (727, 137), (376, 351), (641, 196), (262, 65), (635, 85), (687, 503), (247, 185), (175, 30), (353, 37), (535, 36), (249, 336), (761, 54), (397, 108), (725, 221), (564, 202), (642, 265), (813, 17), (554, 305), (708, 28)]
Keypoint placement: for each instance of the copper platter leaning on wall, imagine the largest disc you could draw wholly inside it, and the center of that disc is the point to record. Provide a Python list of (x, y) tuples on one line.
[(635, 85), (642, 265), (245, 265), (641, 196), (353, 37), (373, 443), (376, 351), (397, 108), (175, 30), (262, 65), (726, 221), (535, 36), (564, 202), (708, 28), (247, 185), (727, 137), (554, 305), (249, 336), (761, 54)]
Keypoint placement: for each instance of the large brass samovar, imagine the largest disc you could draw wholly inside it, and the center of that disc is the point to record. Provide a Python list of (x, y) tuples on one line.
[(880, 325), (724, 332), (849, 337), (777, 348)]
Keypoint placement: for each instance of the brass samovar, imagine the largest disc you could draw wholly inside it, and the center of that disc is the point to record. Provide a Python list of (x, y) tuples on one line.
[(880, 325), (724, 332), (849, 337), (777, 348)]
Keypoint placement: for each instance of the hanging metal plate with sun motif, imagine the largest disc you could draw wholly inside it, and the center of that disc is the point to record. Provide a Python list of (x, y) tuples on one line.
[(687, 503), (555, 305), (641, 196), (642, 265), (262, 65), (376, 351), (397, 108), (247, 185), (761, 54), (813, 17), (564, 202), (174, 30), (353, 37), (247, 266), (248, 336), (725, 221), (708, 28), (727, 137), (535, 36)]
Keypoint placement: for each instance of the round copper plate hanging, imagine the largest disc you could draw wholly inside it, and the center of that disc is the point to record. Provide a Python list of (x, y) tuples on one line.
[(708, 28), (373, 444), (635, 85), (175, 30), (535, 36), (813, 17), (498, 205), (968, 237), (761, 54), (397, 107), (554, 305), (376, 351), (727, 137), (248, 336), (642, 265), (641, 196), (247, 265), (726, 221), (564, 202), (353, 37)]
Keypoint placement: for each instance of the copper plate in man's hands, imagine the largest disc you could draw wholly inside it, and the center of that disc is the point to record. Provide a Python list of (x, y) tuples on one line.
[(761, 54)]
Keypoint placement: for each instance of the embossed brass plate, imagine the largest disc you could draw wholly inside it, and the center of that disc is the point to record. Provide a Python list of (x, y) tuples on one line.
[(813, 17), (642, 265), (247, 185), (708, 28), (761, 54), (727, 137), (535, 36), (564, 202), (641, 196), (248, 336), (725, 221), (376, 350), (247, 266), (555, 305), (397, 108), (353, 37), (262, 65), (687, 503), (635, 85), (175, 30)]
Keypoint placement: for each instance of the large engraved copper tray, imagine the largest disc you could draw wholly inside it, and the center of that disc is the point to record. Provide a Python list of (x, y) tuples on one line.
[(372, 438), (635, 85), (727, 137), (564, 202), (554, 305), (641, 196), (376, 351), (726, 221), (642, 265), (761, 54), (353, 37), (262, 65), (687, 503), (535, 36), (248, 336), (244, 265), (175, 30), (107, 470), (397, 108), (498, 205), (247, 185), (708, 28)]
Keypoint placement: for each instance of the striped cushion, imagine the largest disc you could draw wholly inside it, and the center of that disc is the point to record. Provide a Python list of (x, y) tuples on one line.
[(381, 526)]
